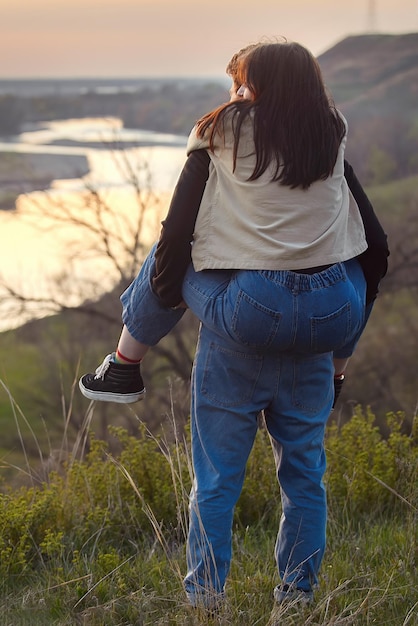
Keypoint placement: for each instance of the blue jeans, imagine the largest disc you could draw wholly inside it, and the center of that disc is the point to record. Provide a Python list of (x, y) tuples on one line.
[(266, 343)]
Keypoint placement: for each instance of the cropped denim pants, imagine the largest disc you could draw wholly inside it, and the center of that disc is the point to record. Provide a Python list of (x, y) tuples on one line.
[(266, 344)]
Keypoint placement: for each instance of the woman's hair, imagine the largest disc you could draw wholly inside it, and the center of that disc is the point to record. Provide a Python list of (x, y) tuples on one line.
[(233, 67), (296, 125)]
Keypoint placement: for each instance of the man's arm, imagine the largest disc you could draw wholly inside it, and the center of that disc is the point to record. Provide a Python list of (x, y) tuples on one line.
[(374, 260)]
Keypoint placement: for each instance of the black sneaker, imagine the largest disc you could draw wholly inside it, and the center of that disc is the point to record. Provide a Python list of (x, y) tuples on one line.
[(286, 594), (113, 382)]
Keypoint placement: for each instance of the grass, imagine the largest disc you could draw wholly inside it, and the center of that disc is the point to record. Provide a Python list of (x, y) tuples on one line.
[(102, 542), (366, 580)]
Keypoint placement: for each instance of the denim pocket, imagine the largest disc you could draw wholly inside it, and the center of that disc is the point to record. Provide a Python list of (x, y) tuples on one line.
[(253, 324), (332, 331), (230, 376)]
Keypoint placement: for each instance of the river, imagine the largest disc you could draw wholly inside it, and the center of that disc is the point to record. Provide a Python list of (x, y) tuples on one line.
[(34, 249)]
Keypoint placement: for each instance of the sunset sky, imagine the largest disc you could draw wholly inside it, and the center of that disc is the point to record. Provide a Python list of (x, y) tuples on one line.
[(74, 38)]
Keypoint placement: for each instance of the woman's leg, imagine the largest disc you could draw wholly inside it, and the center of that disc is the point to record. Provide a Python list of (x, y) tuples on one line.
[(129, 350), (146, 321)]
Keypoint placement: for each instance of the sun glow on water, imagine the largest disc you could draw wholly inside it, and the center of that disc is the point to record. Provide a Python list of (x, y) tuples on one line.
[(34, 249)]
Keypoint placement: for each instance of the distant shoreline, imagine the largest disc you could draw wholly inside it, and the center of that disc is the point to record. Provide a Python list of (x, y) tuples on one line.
[(29, 87), (22, 172)]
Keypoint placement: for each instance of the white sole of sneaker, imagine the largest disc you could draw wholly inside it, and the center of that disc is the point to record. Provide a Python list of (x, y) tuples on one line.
[(103, 396)]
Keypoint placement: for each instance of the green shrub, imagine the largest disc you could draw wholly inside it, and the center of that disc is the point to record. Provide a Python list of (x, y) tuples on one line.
[(367, 471), (28, 527), (106, 508)]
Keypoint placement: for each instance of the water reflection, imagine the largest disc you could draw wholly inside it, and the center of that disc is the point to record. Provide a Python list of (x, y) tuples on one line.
[(99, 131), (34, 248)]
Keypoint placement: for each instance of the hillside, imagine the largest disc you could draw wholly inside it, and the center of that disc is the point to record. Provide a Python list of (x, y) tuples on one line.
[(374, 81), (360, 63)]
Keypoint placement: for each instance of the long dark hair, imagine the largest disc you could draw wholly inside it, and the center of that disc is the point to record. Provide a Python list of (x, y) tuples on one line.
[(296, 124)]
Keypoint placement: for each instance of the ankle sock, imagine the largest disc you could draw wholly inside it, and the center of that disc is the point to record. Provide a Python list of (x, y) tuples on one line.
[(124, 360)]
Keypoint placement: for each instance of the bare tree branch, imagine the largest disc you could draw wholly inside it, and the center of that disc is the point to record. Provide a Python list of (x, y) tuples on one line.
[(111, 242)]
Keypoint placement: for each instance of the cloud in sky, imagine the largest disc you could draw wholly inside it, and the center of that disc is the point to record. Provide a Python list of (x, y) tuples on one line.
[(166, 37)]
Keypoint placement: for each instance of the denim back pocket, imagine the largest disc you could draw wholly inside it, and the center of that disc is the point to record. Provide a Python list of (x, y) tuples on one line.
[(253, 324), (330, 332)]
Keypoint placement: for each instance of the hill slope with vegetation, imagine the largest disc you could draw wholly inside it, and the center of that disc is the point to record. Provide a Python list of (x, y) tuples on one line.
[(374, 81)]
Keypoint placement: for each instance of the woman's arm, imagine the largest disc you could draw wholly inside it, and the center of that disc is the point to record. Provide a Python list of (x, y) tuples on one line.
[(374, 260), (173, 254)]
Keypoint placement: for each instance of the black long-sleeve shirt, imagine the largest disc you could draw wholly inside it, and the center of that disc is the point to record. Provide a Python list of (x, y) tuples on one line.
[(173, 254)]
